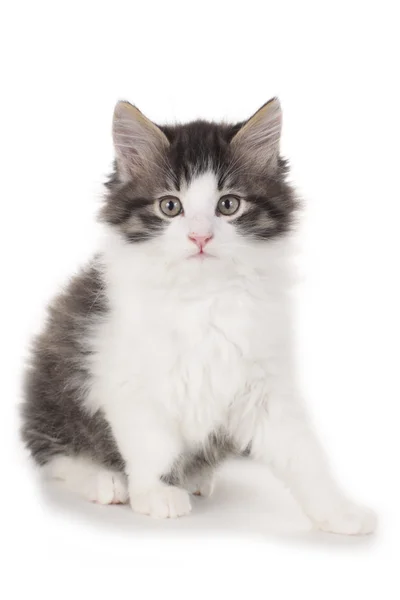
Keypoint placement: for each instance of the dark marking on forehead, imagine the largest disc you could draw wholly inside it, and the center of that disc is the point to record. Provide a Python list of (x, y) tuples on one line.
[(198, 147)]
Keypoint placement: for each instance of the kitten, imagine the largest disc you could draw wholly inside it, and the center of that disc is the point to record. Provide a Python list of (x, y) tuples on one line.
[(172, 348)]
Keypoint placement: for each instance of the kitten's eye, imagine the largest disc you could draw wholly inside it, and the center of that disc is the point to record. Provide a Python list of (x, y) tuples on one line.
[(228, 205), (170, 206)]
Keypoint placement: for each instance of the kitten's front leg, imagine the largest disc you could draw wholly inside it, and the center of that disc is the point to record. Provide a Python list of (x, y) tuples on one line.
[(284, 439), (150, 443)]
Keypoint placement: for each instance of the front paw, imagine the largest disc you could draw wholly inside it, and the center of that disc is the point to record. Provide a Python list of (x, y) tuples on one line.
[(162, 502), (348, 519)]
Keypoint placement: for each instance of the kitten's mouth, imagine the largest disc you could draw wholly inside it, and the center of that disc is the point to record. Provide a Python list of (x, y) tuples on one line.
[(201, 255)]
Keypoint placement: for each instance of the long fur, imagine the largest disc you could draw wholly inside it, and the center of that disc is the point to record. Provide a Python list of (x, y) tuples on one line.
[(158, 360)]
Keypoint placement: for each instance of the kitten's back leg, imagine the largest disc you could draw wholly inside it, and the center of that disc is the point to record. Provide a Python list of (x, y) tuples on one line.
[(88, 479), (200, 482)]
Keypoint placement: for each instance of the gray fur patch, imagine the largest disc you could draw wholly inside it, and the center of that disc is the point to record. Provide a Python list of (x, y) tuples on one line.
[(54, 419)]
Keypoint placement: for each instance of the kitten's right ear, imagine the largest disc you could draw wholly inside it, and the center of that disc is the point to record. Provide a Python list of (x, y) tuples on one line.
[(138, 141), (257, 141)]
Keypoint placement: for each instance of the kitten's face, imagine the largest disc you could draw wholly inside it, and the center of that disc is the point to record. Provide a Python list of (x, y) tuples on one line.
[(200, 191)]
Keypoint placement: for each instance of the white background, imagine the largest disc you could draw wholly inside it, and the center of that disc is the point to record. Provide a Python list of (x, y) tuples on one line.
[(334, 66)]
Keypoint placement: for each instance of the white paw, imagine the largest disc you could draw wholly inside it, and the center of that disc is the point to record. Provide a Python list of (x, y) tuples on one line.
[(201, 483), (349, 519), (106, 487), (162, 502)]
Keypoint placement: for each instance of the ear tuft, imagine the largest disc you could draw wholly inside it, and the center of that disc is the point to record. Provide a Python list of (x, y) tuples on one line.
[(137, 140), (258, 139)]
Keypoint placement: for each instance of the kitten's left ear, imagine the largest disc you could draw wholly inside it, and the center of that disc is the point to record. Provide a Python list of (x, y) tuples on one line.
[(258, 139), (138, 141)]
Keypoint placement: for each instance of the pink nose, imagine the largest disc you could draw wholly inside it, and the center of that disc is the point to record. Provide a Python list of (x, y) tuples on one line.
[(200, 240)]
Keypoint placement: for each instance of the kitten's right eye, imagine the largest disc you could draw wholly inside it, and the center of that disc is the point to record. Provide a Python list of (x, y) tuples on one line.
[(228, 205), (170, 206)]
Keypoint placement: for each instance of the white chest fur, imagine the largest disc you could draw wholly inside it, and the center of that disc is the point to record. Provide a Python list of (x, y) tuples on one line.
[(201, 342)]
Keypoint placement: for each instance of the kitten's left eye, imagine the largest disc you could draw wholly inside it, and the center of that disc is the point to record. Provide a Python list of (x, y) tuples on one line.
[(228, 205), (170, 206)]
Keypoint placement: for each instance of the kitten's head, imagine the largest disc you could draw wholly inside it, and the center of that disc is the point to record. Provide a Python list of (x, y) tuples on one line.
[(199, 191)]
